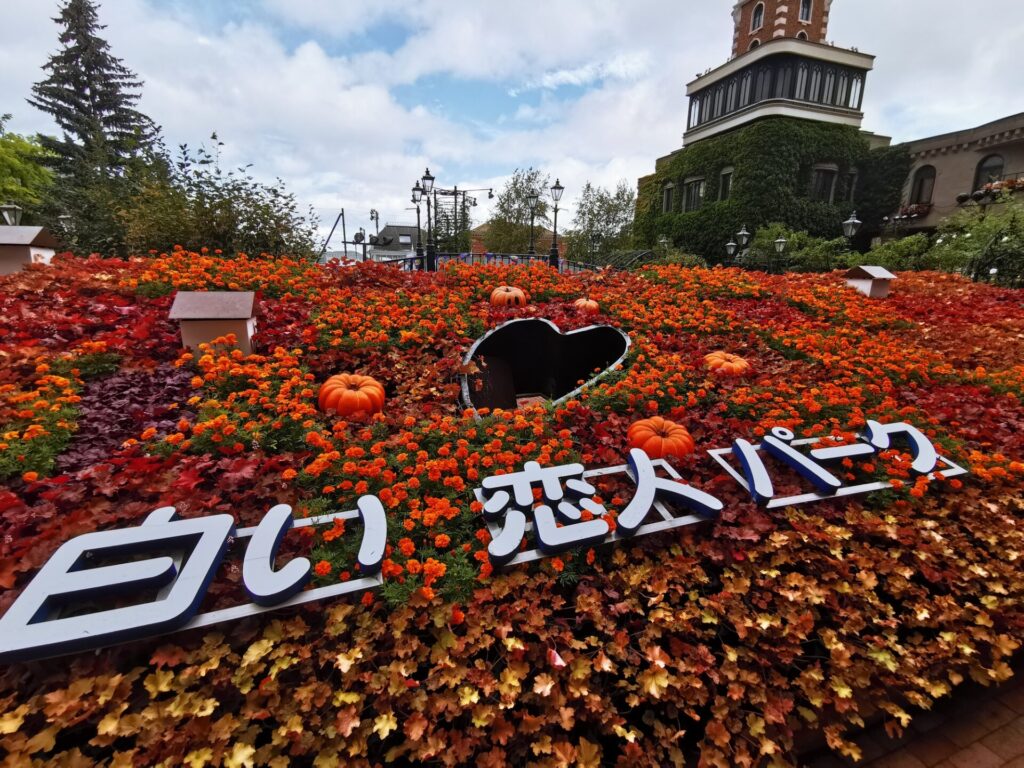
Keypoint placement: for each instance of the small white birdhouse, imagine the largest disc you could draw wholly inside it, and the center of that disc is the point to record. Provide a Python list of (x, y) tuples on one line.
[(20, 246), (871, 281), (207, 315)]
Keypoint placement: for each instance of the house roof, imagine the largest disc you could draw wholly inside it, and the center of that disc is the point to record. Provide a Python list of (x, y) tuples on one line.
[(37, 236), (395, 232), (213, 305), (870, 273)]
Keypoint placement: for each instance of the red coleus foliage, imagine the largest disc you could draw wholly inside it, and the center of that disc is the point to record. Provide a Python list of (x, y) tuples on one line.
[(717, 644)]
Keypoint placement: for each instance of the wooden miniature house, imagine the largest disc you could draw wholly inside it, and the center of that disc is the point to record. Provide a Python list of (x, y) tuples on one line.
[(871, 281), (207, 315), (20, 246)]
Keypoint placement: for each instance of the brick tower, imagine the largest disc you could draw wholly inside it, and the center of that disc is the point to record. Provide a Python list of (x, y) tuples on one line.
[(758, 21)]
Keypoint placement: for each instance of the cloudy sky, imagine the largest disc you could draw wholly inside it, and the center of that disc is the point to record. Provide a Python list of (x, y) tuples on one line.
[(348, 100)]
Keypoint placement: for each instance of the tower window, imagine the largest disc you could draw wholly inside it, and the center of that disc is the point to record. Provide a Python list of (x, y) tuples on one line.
[(823, 183), (801, 35), (805, 11), (990, 169), (666, 198), (924, 185), (757, 19), (693, 194), (725, 184)]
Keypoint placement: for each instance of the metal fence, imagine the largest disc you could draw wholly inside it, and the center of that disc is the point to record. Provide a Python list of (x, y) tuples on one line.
[(419, 263)]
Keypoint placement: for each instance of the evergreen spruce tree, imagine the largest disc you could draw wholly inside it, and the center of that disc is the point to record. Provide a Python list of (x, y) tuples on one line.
[(92, 97)]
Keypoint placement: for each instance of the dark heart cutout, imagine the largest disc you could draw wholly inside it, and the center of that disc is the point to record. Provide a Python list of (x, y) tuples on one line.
[(525, 359)]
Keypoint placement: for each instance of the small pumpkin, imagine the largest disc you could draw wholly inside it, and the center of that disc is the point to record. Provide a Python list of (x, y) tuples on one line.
[(659, 438), (509, 296), (726, 364), (587, 306), (349, 393)]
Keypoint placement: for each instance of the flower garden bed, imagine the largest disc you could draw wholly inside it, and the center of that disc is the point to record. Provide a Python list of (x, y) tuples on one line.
[(724, 643)]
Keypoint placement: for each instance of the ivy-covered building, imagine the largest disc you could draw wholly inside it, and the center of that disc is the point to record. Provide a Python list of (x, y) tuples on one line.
[(773, 135)]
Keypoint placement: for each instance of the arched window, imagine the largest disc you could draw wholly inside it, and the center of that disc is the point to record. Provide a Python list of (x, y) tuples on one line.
[(805, 11), (745, 85), (923, 185), (754, 44), (801, 35), (842, 89), (989, 170), (757, 19), (830, 86), (694, 110), (764, 84), (856, 91), (719, 101), (801, 82), (784, 82), (733, 92), (815, 92)]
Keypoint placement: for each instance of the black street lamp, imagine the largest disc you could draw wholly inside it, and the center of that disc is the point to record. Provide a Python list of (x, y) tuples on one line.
[(556, 195), (532, 197), (417, 195), (730, 248), (780, 245), (428, 188), (375, 218)]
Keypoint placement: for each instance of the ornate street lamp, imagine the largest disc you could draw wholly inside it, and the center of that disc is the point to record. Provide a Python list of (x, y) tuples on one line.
[(852, 226), (532, 197), (780, 245), (556, 195), (375, 218), (12, 214), (428, 188), (731, 248), (743, 237), (417, 195)]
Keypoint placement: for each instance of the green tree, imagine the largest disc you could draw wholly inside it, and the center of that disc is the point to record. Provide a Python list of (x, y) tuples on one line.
[(603, 223), (978, 240), (200, 204), (508, 230), (91, 96), (25, 179)]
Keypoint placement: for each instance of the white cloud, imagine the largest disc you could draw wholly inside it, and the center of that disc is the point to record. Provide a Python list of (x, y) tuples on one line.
[(290, 86)]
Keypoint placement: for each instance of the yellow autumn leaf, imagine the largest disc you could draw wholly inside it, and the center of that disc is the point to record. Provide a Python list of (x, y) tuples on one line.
[(240, 755), (197, 758), (841, 688), (384, 724), (257, 651), (346, 697), (158, 682), (588, 755), (344, 661), (11, 721), (654, 681), (468, 695)]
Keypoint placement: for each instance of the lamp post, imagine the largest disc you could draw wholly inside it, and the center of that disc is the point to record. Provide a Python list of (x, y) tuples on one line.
[(556, 195), (417, 195), (375, 218), (12, 214), (428, 189), (532, 197), (730, 249), (780, 250), (852, 226)]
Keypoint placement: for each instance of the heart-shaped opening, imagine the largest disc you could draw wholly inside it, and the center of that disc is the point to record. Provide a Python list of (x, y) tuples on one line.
[(530, 360)]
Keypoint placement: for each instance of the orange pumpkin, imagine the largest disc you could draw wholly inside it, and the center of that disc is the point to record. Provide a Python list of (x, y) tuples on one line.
[(658, 438), (349, 393), (509, 296), (588, 306), (726, 364)]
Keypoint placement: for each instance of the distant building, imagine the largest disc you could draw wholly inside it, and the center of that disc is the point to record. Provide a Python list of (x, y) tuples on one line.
[(542, 240), (977, 160), (403, 240)]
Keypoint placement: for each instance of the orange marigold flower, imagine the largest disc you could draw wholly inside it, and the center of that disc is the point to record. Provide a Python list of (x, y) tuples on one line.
[(558, 564), (458, 616), (406, 547), (442, 541), (322, 568), (30, 477), (289, 474)]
